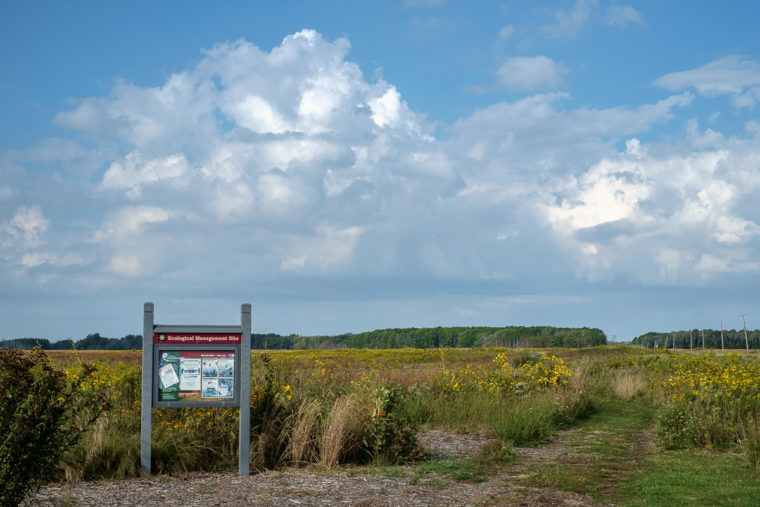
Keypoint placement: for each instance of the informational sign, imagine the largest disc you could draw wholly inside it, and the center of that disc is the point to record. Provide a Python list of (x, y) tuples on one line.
[(196, 366), (196, 375)]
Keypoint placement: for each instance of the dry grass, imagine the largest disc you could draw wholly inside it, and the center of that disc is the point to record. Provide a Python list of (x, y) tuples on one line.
[(301, 444), (627, 384), (343, 432)]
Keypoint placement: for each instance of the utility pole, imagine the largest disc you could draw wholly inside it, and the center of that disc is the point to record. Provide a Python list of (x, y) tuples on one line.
[(691, 339), (746, 341), (703, 339), (721, 335), (674, 340)]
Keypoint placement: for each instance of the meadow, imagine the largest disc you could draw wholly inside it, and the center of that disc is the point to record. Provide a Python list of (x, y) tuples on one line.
[(365, 407)]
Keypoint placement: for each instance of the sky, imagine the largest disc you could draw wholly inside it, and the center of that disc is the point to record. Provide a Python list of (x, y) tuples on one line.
[(346, 166)]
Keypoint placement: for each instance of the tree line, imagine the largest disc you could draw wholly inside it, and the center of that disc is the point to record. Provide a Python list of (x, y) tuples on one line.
[(91, 342), (481, 336), (732, 339)]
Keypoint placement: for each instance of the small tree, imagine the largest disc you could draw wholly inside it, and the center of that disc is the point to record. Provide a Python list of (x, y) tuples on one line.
[(42, 414)]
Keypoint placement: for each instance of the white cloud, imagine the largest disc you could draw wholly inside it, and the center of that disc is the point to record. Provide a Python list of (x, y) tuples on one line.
[(675, 213), (24, 229), (734, 75), (129, 222), (298, 166), (34, 259), (569, 23), (330, 246), (255, 113), (132, 173), (385, 109), (530, 73), (621, 15), (606, 193), (130, 249), (711, 264)]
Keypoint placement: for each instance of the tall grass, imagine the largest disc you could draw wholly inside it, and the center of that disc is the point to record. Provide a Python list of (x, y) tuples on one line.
[(342, 436), (333, 407)]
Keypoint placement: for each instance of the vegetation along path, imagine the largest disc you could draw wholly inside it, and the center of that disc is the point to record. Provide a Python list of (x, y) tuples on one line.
[(612, 457), (608, 458)]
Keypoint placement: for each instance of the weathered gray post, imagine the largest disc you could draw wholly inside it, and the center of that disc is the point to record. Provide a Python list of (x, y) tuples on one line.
[(244, 437), (147, 389)]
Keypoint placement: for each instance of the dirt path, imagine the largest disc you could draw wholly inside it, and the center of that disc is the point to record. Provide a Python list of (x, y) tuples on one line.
[(589, 459)]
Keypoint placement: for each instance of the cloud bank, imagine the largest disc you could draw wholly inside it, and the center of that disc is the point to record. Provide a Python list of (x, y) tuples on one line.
[(282, 167)]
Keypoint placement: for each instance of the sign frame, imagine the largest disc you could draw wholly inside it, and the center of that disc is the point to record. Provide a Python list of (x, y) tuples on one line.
[(211, 339), (172, 347)]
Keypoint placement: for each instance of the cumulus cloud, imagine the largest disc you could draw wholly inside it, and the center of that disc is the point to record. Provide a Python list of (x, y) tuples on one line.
[(132, 173), (131, 250), (738, 76), (280, 142), (288, 162), (24, 229), (679, 215), (530, 73), (130, 221)]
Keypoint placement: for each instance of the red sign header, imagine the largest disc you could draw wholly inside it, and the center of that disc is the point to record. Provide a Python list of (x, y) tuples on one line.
[(196, 338)]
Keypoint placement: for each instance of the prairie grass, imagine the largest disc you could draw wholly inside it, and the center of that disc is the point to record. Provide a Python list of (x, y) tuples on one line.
[(342, 435), (302, 442), (629, 383), (354, 406)]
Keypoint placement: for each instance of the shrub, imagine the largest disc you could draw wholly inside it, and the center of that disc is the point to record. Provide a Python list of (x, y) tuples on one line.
[(42, 414), (391, 438)]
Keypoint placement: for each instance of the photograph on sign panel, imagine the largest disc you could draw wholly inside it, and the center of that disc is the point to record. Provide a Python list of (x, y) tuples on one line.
[(210, 388), (226, 367), (210, 367), (225, 387)]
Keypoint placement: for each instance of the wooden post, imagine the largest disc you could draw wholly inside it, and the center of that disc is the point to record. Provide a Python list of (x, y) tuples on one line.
[(722, 346), (746, 341)]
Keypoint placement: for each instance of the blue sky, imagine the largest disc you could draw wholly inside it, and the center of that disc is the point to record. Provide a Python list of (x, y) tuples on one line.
[(347, 165)]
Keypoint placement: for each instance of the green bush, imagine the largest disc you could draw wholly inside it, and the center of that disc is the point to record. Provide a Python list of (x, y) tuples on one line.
[(391, 438), (42, 414)]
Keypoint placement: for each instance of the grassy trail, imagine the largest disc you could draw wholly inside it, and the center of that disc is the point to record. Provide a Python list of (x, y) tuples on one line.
[(594, 457), (612, 457)]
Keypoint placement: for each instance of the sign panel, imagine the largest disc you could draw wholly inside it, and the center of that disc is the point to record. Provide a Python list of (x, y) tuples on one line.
[(196, 375), (192, 338)]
